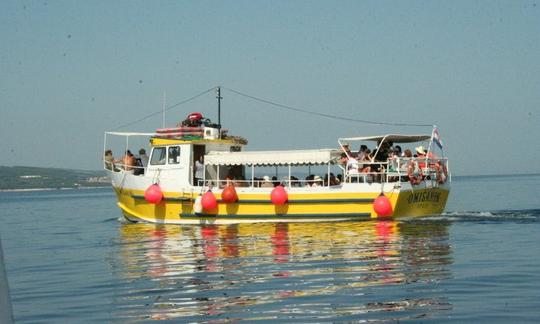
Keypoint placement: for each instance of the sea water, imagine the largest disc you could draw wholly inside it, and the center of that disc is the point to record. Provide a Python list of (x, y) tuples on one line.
[(71, 259)]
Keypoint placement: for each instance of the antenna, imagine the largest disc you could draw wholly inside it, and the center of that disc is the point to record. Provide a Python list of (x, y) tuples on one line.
[(219, 97)]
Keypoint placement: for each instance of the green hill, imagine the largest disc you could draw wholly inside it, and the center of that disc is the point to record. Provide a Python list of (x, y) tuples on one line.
[(20, 177)]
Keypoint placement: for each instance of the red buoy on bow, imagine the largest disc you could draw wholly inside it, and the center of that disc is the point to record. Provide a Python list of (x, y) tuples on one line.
[(382, 206), (208, 201), (279, 195), (228, 195), (153, 194)]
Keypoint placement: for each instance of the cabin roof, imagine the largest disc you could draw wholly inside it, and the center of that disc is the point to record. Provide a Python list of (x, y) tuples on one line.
[(396, 138), (268, 158)]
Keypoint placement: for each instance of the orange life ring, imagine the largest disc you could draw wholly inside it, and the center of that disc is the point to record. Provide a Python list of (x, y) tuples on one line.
[(414, 179), (442, 174)]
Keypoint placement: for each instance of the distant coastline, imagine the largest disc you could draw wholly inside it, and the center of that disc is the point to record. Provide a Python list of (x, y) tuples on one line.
[(52, 189), (22, 178)]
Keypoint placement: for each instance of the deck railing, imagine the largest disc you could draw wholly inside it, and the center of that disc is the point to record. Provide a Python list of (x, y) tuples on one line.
[(398, 170), (393, 171)]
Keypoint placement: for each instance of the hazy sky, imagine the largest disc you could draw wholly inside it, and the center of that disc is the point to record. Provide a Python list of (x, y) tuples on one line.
[(70, 70)]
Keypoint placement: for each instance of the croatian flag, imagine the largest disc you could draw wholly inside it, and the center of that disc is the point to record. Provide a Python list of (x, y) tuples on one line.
[(437, 138)]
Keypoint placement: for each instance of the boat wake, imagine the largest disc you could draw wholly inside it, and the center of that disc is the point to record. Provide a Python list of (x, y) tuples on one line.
[(497, 216)]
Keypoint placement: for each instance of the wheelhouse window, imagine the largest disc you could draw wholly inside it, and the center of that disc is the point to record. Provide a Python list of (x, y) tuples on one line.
[(158, 156), (174, 154)]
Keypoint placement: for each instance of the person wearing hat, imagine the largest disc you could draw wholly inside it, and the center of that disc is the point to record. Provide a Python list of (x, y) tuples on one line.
[(267, 182), (421, 152), (317, 181)]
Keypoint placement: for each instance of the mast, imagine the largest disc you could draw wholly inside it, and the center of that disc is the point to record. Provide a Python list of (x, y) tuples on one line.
[(219, 97)]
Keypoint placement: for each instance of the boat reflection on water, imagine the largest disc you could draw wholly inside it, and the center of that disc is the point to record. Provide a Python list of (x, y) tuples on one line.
[(377, 271)]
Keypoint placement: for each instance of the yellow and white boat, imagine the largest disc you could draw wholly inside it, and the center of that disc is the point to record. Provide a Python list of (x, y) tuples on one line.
[(233, 185)]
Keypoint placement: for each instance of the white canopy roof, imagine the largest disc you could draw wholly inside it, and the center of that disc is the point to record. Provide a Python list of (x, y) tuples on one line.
[(296, 157), (396, 138)]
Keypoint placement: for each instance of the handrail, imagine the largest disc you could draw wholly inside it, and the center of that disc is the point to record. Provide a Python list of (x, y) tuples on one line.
[(395, 172)]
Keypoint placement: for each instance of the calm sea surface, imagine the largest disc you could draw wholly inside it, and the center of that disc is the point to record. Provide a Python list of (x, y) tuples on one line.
[(71, 259)]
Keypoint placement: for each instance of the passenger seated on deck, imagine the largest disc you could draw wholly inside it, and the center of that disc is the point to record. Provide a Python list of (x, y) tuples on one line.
[(267, 183), (127, 162), (138, 168), (241, 181), (339, 178), (407, 153), (317, 181), (393, 165), (109, 161), (364, 165), (352, 165), (421, 156), (309, 180), (362, 152), (397, 151), (392, 162), (229, 181), (347, 150), (334, 181)]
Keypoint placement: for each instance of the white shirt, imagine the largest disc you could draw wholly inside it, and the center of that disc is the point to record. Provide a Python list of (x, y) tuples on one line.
[(352, 166), (199, 170)]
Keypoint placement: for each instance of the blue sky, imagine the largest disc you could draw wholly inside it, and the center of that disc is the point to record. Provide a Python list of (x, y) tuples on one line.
[(70, 70)]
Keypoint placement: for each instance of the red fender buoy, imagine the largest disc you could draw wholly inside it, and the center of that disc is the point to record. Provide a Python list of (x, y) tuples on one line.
[(279, 195), (153, 194), (382, 206), (208, 201), (228, 195)]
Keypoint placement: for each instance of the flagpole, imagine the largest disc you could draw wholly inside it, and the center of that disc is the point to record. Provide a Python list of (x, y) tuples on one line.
[(431, 140)]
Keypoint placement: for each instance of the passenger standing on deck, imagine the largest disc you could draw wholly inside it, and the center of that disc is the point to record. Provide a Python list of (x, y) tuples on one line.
[(199, 170), (362, 152), (143, 157), (407, 153), (397, 151), (347, 150), (141, 162)]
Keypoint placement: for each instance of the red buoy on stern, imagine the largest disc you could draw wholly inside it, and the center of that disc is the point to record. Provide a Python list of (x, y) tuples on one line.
[(153, 194), (209, 201), (279, 195), (382, 206), (229, 195)]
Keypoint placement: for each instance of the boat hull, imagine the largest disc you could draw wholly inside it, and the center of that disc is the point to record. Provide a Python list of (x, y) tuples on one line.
[(255, 206)]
